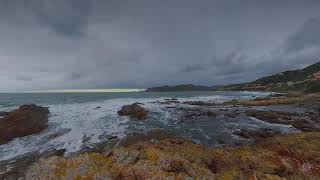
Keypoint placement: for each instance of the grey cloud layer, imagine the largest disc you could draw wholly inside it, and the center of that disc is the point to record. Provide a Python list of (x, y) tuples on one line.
[(60, 44)]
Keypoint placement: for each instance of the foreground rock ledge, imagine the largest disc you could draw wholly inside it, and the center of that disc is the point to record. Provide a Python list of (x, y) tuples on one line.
[(134, 111), (27, 120), (295, 156)]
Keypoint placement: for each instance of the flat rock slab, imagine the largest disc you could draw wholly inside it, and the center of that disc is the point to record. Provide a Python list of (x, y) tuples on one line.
[(306, 122)]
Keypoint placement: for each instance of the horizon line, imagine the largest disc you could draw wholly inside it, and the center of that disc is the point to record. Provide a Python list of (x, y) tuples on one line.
[(112, 90)]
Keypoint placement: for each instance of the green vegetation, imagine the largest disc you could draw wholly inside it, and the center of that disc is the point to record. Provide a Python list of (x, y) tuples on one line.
[(303, 80), (290, 76)]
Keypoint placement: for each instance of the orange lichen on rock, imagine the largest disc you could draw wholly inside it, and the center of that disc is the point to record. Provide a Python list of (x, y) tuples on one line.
[(295, 156)]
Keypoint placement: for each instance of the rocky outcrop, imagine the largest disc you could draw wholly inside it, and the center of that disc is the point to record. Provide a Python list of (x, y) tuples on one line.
[(307, 122), (200, 103), (134, 111), (3, 113), (259, 134), (27, 120), (186, 115), (16, 168), (294, 156)]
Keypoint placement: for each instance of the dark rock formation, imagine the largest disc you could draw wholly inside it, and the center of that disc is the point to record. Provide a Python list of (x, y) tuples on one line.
[(307, 122), (16, 168), (257, 134), (27, 120), (134, 111), (200, 103), (194, 113), (3, 113)]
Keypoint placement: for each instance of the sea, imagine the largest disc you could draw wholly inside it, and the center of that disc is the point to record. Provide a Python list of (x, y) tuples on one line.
[(82, 120)]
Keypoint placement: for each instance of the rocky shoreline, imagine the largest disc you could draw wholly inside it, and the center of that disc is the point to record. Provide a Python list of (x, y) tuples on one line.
[(293, 156), (269, 155)]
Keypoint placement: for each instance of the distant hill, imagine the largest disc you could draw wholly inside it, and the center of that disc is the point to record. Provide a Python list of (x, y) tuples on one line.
[(287, 76), (307, 80), (183, 87)]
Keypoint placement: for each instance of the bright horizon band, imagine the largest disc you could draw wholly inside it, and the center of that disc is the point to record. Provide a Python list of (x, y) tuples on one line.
[(88, 90)]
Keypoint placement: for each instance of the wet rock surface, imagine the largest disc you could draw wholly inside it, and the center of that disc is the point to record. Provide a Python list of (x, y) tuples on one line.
[(152, 135), (16, 168), (259, 134), (3, 113), (194, 113), (26, 120), (134, 111), (306, 122), (200, 103), (290, 157)]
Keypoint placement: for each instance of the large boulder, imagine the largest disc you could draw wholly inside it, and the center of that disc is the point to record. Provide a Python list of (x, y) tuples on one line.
[(27, 120), (134, 111)]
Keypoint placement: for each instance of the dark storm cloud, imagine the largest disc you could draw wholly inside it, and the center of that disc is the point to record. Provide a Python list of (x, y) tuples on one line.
[(306, 37), (64, 17), (299, 49), (60, 44)]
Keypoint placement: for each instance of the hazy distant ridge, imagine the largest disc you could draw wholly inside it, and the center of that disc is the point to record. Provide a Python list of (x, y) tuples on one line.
[(183, 87), (306, 80)]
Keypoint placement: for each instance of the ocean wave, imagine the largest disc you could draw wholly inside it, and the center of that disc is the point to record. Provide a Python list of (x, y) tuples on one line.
[(74, 126)]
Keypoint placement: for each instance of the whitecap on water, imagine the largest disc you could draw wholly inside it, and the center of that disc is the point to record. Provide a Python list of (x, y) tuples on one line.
[(78, 125)]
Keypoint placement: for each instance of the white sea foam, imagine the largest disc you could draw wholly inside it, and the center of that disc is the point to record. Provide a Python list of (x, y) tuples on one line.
[(68, 124), (73, 126)]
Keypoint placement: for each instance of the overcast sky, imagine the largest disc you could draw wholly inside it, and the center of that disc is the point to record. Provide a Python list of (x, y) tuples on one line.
[(72, 44)]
